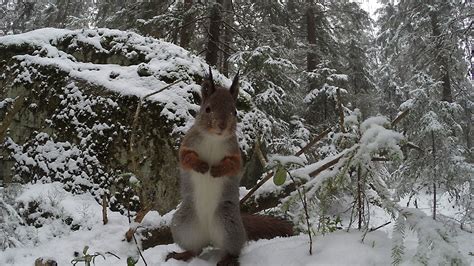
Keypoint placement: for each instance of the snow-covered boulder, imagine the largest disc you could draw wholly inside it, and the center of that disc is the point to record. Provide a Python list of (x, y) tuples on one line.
[(72, 97)]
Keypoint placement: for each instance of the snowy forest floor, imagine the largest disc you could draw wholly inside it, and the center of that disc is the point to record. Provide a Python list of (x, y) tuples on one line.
[(55, 239)]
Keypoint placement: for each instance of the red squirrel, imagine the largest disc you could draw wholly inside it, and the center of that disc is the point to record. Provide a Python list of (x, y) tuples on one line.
[(210, 170)]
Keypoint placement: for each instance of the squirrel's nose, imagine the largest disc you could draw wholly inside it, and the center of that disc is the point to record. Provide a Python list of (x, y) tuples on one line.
[(222, 125)]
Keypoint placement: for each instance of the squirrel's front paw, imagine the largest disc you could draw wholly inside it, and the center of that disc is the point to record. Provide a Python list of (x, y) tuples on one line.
[(218, 170), (201, 167), (227, 167)]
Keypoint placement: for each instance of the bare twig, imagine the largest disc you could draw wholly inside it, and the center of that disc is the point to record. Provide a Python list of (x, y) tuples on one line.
[(132, 138), (351, 220), (110, 253), (380, 226), (305, 206), (413, 146), (135, 125), (220, 49), (234, 29), (138, 219), (162, 89), (141, 214), (360, 208), (314, 141), (400, 117), (379, 159), (133, 235), (259, 152)]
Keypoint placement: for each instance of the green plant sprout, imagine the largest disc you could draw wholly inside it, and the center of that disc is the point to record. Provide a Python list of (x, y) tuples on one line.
[(86, 258)]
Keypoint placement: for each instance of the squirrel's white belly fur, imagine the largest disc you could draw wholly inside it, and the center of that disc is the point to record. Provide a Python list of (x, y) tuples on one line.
[(208, 190)]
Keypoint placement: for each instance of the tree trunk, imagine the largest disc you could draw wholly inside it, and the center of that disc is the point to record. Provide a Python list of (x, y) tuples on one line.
[(227, 38), (359, 196), (19, 25), (215, 21), (434, 173), (187, 28), (62, 13), (311, 38), (441, 59)]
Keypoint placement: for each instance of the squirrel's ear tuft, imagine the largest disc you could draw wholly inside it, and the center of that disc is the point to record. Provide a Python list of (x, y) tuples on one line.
[(234, 88), (207, 87)]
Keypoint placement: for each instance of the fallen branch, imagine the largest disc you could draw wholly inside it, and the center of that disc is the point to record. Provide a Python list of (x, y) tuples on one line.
[(326, 166), (156, 236), (257, 186), (270, 174), (272, 200)]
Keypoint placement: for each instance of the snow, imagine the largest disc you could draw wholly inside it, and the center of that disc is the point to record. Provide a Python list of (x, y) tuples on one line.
[(109, 238), (56, 240), (286, 159), (4, 103), (341, 77), (375, 120), (273, 95), (376, 138), (37, 37)]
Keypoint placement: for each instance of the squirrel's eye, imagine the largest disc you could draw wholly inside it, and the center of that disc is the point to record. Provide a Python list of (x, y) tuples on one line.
[(235, 112), (208, 109)]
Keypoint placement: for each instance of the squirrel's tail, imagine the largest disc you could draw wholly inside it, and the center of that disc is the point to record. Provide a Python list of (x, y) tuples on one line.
[(267, 227)]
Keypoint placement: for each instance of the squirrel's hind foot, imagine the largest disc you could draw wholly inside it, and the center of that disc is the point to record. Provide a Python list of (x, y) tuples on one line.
[(229, 260), (185, 256)]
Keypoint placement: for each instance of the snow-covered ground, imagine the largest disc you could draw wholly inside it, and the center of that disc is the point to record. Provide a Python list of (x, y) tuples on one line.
[(55, 239)]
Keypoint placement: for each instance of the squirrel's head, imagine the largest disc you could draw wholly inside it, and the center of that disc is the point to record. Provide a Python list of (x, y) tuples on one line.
[(218, 113)]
